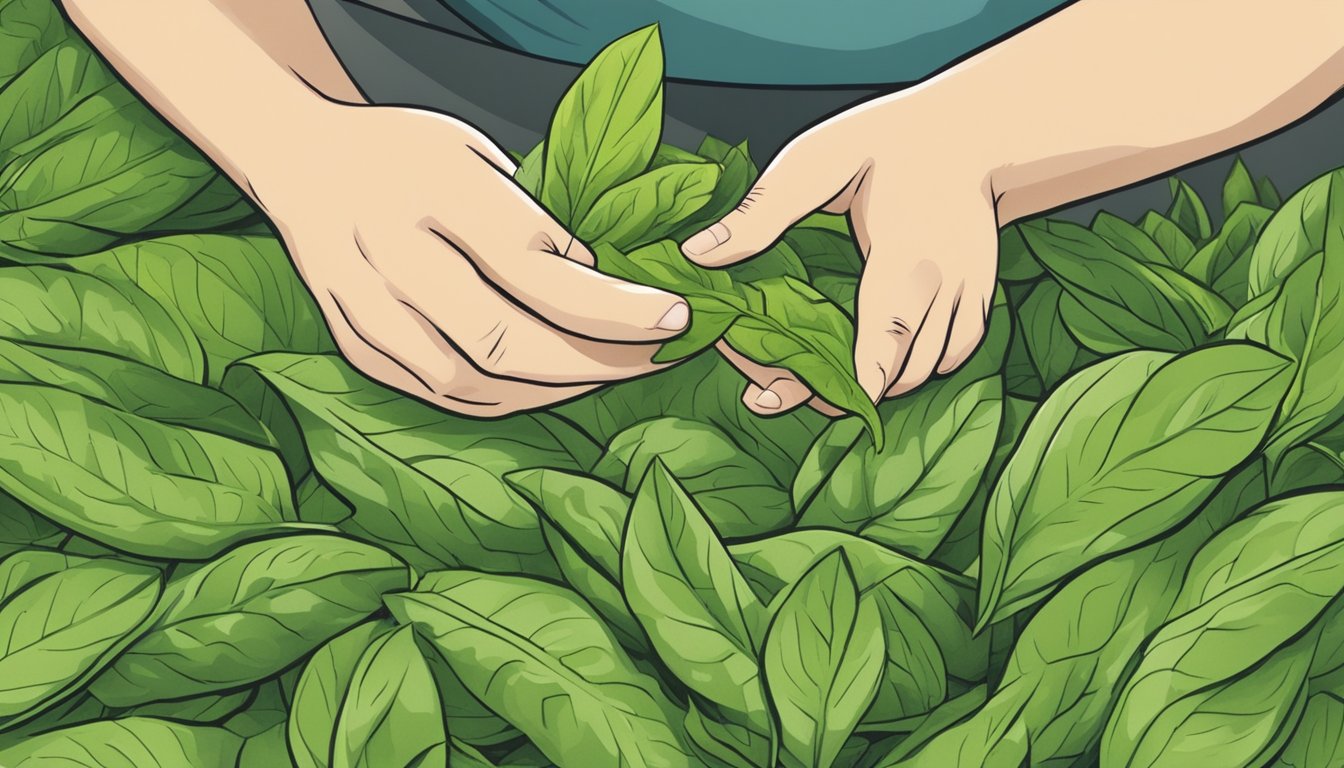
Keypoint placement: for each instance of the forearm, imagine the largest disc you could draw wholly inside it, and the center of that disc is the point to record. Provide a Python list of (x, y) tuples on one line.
[(1109, 92), (240, 78)]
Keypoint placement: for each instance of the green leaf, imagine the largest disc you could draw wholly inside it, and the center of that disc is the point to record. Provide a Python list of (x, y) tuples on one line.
[(106, 170), (937, 442), (823, 660), (55, 82), (60, 308), (1295, 233), (529, 170), (584, 520), (537, 655), (1016, 264), (1052, 351), (790, 325), (606, 127), (1305, 321), (65, 625), (1129, 239), (1073, 654), (1267, 194), (707, 389), (249, 614), (1225, 262), (259, 751), (130, 386), (28, 28), (21, 528), (1114, 302), (926, 612), (1120, 452), (321, 692), (738, 494), (1189, 213), (649, 206), (1230, 668), (390, 715), (132, 742), (701, 616), (1176, 245), (238, 296), (832, 262), (1238, 188), (427, 485), (147, 488), (735, 180), (1318, 739)]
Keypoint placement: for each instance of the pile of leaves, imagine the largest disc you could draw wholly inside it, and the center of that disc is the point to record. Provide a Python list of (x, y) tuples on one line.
[(1113, 537)]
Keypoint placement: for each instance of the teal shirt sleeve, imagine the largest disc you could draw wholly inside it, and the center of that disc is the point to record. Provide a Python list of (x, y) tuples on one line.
[(764, 42)]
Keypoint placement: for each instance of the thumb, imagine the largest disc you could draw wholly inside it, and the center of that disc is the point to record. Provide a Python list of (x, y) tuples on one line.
[(797, 182)]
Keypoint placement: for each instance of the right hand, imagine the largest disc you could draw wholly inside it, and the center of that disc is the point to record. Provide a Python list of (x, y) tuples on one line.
[(440, 276)]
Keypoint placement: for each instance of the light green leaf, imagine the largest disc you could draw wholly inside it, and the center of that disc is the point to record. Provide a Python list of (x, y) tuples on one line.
[(529, 170), (249, 614), (1305, 321), (132, 742), (321, 691), (735, 179), (1238, 188), (426, 484), (147, 488), (1129, 239), (738, 494), (1230, 668), (1114, 302), (606, 127), (390, 715), (1175, 243), (649, 206), (584, 519), (1121, 452), (63, 626), (537, 655), (823, 661), (1296, 232), (701, 616), (238, 296), (60, 308), (1225, 262), (937, 442)]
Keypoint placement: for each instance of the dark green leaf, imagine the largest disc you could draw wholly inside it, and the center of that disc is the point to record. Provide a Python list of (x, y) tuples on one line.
[(1129, 239), (1225, 261), (1176, 245), (1189, 213), (1318, 739)]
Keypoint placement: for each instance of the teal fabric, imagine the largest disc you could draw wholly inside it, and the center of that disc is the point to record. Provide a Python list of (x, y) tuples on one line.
[(764, 42)]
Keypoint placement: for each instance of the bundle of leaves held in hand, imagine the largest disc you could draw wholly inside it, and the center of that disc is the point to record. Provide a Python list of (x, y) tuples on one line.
[(1113, 537)]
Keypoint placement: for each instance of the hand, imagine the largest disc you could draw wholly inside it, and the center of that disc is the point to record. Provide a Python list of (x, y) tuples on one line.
[(440, 277), (923, 215)]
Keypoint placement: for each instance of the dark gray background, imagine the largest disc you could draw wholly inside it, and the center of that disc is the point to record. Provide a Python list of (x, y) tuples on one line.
[(418, 52)]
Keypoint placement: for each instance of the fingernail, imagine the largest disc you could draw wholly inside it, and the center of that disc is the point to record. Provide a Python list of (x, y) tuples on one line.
[(768, 400), (675, 318), (706, 240), (874, 382)]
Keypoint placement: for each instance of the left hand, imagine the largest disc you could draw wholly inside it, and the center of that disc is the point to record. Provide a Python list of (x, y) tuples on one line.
[(922, 210)]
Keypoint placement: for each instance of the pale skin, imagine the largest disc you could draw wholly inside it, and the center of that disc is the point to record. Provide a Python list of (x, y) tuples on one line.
[(440, 277)]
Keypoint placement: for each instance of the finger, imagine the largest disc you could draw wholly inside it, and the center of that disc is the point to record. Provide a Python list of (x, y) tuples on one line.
[(801, 179), (498, 337), (518, 247), (771, 391), (384, 342), (968, 329), (926, 350), (825, 408), (895, 300)]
